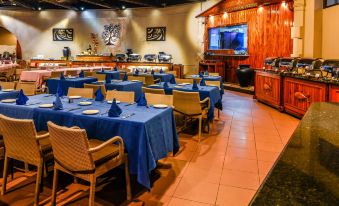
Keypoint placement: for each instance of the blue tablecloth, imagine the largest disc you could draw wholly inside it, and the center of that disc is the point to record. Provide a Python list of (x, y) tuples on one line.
[(148, 135), (204, 91), (52, 83), (112, 74), (8, 95), (212, 78), (136, 87)]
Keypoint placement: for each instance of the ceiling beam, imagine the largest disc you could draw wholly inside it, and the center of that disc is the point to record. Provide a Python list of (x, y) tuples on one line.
[(21, 4), (60, 5), (100, 4), (137, 2)]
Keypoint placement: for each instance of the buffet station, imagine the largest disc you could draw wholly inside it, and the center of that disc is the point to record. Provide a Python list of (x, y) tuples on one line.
[(293, 84)]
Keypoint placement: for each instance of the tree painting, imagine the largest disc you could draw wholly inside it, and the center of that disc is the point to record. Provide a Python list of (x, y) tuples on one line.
[(111, 34)]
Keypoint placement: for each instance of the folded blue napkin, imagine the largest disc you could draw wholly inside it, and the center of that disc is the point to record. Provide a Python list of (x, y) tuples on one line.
[(82, 74), (142, 100), (145, 71), (125, 78), (136, 72), (108, 78), (165, 85), (201, 74), (21, 99), (202, 82), (62, 76), (115, 110), (0, 88), (57, 104), (152, 72), (102, 69), (99, 96), (206, 73), (161, 71), (195, 85), (116, 68), (60, 92)]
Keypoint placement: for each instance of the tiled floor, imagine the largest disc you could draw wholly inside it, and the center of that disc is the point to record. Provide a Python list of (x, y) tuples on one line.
[(225, 169)]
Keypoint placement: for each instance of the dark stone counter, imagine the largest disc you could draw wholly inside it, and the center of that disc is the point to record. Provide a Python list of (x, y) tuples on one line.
[(307, 171)]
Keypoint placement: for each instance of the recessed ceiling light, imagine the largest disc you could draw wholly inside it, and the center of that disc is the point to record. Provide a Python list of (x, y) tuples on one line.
[(123, 7), (39, 8), (82, 8)]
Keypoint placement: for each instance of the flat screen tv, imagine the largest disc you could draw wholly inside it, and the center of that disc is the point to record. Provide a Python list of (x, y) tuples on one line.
[(233, 37)]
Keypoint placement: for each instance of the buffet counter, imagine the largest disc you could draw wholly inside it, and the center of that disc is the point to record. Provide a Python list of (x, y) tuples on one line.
[(306, 173), (293, 93)]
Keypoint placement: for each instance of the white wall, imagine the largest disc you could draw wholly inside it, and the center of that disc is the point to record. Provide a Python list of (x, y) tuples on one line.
[(330, 33), (184, 32)]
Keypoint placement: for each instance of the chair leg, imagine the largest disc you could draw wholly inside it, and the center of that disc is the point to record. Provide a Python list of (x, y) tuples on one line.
[(218, 113), (128, 181), (92, 190), (26, 167), (37, 184), (55, 185), (12, 168), (200, 125), (4, 183)]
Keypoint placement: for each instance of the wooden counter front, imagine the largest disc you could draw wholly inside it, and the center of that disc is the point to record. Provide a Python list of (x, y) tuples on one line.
[(334, 93)]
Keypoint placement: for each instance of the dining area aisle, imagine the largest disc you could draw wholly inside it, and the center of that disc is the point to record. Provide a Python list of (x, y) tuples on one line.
[(226, 168)]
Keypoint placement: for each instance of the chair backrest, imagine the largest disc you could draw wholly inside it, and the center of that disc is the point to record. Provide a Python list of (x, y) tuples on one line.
[(149, 80), (89, 74), (7, 85), (71, 73), (139, 78), (154, 91), (213, 83), (187, 102), (83, 92), (159, 99), (19, 71), (100, 77), (29, 88), (180, 81), (122, 96), (56, 74), (214, 74), (121, 75), (70, 148), (20, 139), (95, 87)]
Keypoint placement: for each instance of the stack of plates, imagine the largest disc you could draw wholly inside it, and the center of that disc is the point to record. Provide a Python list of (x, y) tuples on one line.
[(110, 102), (160, 106), (7, 90), (46, 105), (8, 100), (91, 112), (74, 97), (85, 103)]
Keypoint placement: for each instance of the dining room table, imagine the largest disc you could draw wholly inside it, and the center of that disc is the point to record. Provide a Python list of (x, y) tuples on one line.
[(8, 94), (204, 91), (209, 78), (112, 74), (164, 77), (119, 85), (149, 133), (4, 67), (76, 82)]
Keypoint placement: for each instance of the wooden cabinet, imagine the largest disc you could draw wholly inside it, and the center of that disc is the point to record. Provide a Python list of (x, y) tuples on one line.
[(268, 88), (334, 93), (299, 94), (213, 67), (179, 69)]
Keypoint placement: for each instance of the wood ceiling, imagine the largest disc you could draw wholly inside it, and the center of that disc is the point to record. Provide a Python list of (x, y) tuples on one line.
[(88, 4)]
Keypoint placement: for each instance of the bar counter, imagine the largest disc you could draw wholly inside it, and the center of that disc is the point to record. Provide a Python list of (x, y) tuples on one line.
[(307, 171)]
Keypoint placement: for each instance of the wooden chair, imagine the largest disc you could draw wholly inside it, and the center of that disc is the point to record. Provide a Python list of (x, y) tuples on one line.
[(29, 88), (159, 99), (121, 75), (72, 73), (122, 96), (89, 74), (139, 78), (100, 77), (7, 85), (154, 91), (149, 80), (8, 75), (85, 159), (24, 144), (56, 74), (189, 105), (18, 73), (180, 81), (214, 74), (83, 92), (95, 88)]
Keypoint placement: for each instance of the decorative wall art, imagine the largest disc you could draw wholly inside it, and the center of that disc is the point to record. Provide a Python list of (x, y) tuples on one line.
[(111, 34), (63, 34), (156, 34)]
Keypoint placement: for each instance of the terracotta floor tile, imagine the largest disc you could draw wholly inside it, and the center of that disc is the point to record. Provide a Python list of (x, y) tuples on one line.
[(264, 167), (229, 196), (165, 186), (236, 152), (240, 179), (242, 143), (172, 167), (195, 173), (241, 164), (268, 138), (178, 202), (267, 146), (203, 192), (267, 155)]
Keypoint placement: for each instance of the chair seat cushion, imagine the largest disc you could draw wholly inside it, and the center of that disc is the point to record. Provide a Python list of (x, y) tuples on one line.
[(105, 154)]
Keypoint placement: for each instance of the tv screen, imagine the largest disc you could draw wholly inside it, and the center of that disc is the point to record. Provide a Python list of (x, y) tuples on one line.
[(229, 37)]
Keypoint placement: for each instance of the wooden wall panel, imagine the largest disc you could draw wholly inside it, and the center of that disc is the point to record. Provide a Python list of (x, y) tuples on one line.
[(269, 33)]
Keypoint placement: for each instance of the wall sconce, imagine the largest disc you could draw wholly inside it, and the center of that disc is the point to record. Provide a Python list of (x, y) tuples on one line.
[(225, 15), (260, 8), (284, 4)]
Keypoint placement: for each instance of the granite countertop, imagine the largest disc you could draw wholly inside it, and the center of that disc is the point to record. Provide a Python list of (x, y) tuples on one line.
[(307, 171)]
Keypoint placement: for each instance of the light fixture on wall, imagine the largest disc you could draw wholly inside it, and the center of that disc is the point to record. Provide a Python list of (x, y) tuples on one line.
[(225, 15), (82, 8), (39, 8), (123, 7), (260, 8), (284, 4)]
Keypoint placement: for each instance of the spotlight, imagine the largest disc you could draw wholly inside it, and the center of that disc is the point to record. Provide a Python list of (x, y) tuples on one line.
[(261, 8), (283, 4), (14, 3), (82, 8), (39, 8), (123, 7)]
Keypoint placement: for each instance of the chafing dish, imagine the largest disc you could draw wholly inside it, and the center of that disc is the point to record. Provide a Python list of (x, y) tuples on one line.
[(271, 63), (120, 57), (150, 57), (309, 67), (163, 57), (134, 57), (287, 63), (330, 68)]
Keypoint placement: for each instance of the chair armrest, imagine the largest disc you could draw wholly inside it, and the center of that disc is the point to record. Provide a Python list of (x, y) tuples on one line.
[(75, 127), (39, 137), (206, 100), (108, 142), (157, 80)]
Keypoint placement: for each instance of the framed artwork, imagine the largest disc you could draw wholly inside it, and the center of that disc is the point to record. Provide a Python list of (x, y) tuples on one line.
[(111, 34), (62, 34), (156, 34)]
